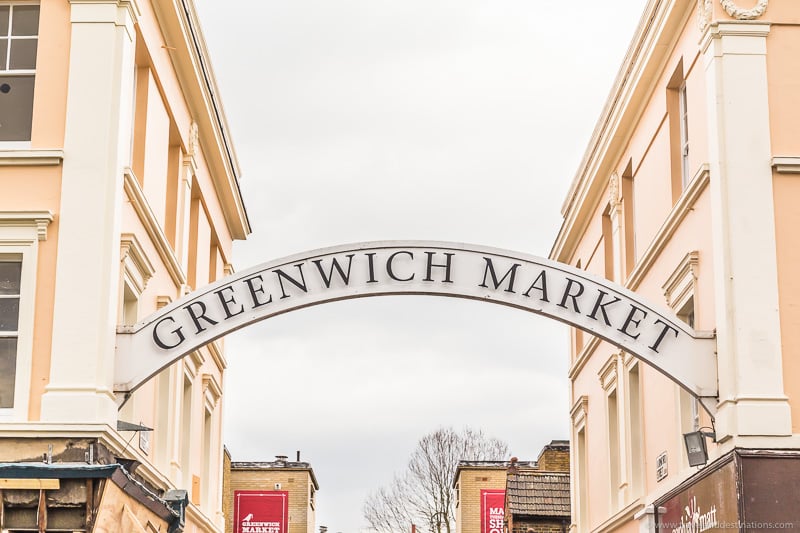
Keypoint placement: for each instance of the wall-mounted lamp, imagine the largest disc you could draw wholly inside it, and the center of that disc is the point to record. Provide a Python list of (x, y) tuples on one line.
[(696, 449)]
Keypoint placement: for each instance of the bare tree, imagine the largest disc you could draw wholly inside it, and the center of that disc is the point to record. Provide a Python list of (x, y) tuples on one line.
[(424, 494)]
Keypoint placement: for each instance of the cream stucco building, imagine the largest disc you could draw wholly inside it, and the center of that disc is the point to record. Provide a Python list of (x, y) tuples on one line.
[(688, 195), (120, 194)]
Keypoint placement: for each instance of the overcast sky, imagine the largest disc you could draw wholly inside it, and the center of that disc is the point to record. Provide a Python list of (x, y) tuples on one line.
[(371, 120)]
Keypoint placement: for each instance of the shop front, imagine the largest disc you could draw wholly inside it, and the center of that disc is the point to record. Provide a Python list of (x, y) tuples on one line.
[(745, 491)]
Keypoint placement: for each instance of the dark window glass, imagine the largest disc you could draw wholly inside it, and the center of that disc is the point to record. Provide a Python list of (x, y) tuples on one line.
[(16, 108), (8, 371), (3, 53), (4, 10), (9, 314), (10, 274), (23, 54), (25, 20)]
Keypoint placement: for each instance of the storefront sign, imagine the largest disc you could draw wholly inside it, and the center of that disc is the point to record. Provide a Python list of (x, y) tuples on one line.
[(532, 284), (711, 504), (260, 511), (493, 503)]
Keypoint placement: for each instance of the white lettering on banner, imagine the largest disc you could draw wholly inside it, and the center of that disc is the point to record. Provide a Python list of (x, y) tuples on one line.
[(525, 282), (496, 519), (694, 521)]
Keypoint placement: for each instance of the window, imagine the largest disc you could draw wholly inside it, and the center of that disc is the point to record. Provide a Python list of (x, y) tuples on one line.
[(19, 28), (683, 116), (20, 234), (678, 119), (10, 278)]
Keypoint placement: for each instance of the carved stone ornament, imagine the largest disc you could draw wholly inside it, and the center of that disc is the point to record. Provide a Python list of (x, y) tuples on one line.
[(704, 9), (613, 190), (194, 141), (744, 14)]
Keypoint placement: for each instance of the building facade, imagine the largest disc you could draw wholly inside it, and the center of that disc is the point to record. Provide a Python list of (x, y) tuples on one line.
[(538, 497), (514, 496), (120, 194), (687, 196), (270, 496)]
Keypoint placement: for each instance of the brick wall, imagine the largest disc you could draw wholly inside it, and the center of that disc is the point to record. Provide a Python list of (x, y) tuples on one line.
[(554, 459), (470, 482), (297, 483)]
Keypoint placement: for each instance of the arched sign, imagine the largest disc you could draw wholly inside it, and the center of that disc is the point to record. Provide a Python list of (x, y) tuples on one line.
[(530, 283)]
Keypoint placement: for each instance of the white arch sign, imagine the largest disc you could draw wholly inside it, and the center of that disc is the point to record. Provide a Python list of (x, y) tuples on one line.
[(530, 283)]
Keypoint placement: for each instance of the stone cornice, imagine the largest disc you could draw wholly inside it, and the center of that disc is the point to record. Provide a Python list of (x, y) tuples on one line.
[(643, 62), (188, 53)]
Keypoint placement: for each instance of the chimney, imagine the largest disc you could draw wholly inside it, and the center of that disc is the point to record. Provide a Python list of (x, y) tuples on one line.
[(298, 456), (281, 458)]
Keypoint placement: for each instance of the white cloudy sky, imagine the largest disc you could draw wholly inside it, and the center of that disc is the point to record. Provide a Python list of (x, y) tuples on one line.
[(361, 120)]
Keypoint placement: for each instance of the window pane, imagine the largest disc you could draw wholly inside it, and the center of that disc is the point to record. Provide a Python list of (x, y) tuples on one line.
[(25, 20), (3, 53), (8, 371), (23, 54), (9, 314), (16, 108), (3, 20), (10, 273)]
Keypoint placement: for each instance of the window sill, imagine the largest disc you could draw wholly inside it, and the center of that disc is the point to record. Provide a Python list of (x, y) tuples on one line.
[(30, 157)]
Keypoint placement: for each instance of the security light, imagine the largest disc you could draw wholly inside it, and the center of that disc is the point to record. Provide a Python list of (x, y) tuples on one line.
[(696, 447)]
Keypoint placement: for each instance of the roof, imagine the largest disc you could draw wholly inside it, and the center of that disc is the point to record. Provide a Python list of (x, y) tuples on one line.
[(290, 466), (485, 465), (538, 494)]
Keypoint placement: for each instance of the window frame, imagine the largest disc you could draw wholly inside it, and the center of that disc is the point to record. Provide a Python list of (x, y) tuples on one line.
[(20, 233), (9, 72)]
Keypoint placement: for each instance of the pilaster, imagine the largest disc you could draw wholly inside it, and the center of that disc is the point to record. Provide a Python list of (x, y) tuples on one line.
[(97, 143), (752, 400)]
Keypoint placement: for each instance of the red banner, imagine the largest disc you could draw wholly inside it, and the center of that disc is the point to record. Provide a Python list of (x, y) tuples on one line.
[(258, 511), (493, 504)]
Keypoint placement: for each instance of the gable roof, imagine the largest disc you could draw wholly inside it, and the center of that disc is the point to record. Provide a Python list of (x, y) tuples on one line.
[(538, 494)]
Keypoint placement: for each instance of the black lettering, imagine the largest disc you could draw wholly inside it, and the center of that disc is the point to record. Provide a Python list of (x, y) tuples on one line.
[(600, 306), (157, 339), (299, 284), (543, 288), (226, 303), (196, 318), (511, 273), (334, 264), (446, 267), (632, 320), (390, 270), (573, 297), (371, 260), (663, 333), (255, 290)]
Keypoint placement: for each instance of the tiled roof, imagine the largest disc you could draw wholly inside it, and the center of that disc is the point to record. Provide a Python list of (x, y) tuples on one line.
[(538, 494)]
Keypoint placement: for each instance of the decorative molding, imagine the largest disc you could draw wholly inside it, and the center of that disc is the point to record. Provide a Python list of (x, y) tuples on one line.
[(680, 284), (704, 12), (211, 390), (217, 354), (613, 191), (579, 411), (744, 14), (138, 267), (142, 208), (583, 356), (608, 373), (679, 211), (194, 140), (163, 301), (40, 219), (786, 164), (25, 158)]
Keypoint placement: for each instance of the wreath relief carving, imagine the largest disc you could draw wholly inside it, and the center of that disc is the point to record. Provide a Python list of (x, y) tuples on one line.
[(744, 14)]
